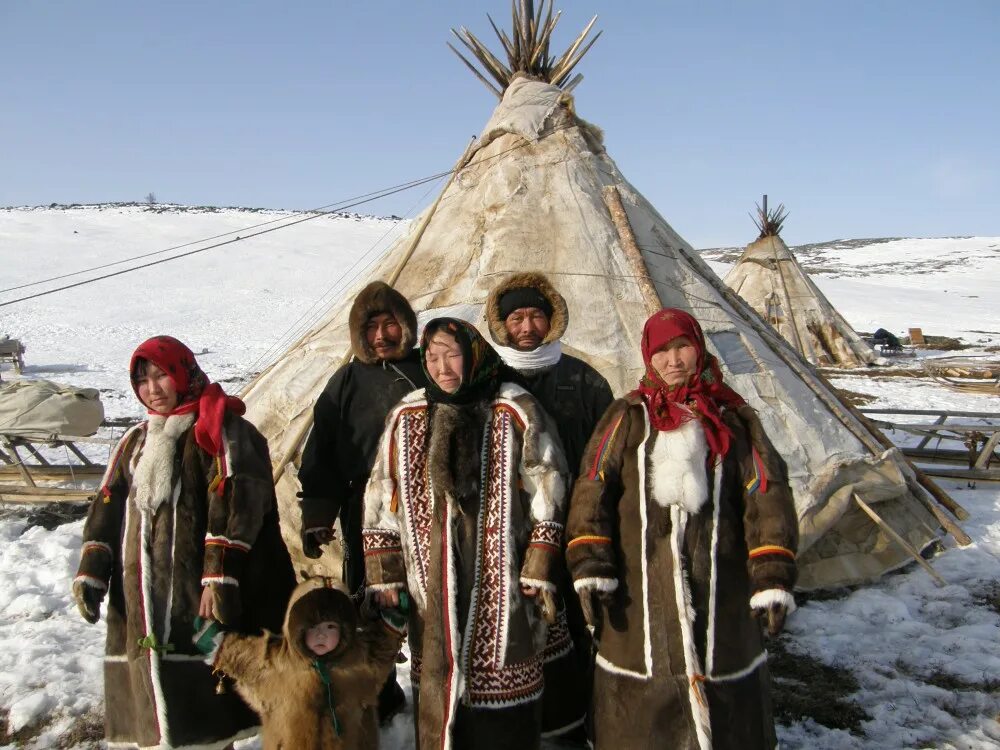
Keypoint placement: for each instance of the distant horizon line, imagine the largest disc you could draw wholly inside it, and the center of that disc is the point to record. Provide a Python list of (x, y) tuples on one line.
[(393, 217)]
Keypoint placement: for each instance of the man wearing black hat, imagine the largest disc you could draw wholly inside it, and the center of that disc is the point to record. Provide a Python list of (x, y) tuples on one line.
[(527, 318)]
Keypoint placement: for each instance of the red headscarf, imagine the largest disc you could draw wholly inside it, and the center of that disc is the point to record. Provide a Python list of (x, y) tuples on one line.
[(194, 391), (704, 394)]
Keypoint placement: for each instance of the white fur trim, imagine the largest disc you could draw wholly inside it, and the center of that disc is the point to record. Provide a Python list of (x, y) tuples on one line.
[(116, 658), (647, 652), (546, 585), (94, 583), (764, 599), (609, 666), (456, 683), (686, 618), (563, 730), (678, 467), (596, 584), (217, 745), (385, 587), (713, 583), (219, 539), (145, 582), (153, 478), (647, 632), (225, 580), (740, 674), (509, 391)]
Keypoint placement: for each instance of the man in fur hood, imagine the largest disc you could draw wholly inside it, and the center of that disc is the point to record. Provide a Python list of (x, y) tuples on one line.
[(349, 417), (527, 317), (316, 687)]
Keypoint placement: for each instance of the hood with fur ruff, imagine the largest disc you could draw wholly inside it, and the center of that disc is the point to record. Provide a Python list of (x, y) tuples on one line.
[(533, 279), (379, 297)]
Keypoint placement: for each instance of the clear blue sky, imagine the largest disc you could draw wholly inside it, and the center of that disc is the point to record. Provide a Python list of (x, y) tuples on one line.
[(865, 118)]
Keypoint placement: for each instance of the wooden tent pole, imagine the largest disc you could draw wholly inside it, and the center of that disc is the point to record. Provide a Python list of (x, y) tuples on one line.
[(894, 535), (303, 430), (874, 440), (613, 200)]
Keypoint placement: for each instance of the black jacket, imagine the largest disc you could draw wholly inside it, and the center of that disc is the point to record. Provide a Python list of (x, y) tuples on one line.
[(576, 396), (349, 418)]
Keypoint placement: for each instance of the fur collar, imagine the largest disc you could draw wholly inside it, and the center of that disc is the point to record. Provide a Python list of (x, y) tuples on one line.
[(677, 470), (153, 476)]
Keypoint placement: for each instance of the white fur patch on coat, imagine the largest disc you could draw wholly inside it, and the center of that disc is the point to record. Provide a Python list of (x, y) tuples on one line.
[(769, 597), (153, 479), (677, 467)]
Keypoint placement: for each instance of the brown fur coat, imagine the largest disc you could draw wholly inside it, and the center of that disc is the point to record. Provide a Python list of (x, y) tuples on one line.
[(681, 549), (279, 678), (166, 528)]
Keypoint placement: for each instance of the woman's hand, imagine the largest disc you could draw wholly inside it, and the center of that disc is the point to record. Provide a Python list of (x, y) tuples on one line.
[(205, 607), (387, 599)]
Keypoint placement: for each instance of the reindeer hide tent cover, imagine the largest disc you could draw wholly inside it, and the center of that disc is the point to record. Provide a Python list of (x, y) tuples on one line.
[(768, 276), (537, 191)]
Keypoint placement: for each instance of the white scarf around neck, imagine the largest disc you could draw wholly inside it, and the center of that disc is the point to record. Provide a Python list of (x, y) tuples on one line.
[(545, 355), (153, 476)]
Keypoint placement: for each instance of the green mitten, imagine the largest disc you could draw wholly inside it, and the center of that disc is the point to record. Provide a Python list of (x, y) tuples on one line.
[(398, 617), (207, 636)]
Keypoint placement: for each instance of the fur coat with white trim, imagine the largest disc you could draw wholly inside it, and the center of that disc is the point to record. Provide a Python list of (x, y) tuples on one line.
[(684, 548), (463, 506), (171, 519)]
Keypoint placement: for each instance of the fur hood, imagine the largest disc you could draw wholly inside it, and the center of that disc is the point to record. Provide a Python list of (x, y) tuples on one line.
[(317, 600), (533, 279), (379, 297)]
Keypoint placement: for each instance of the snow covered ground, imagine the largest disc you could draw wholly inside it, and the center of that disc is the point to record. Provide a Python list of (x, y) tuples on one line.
[(923, 662)]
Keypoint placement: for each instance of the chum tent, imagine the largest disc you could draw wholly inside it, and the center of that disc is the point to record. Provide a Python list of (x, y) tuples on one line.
[(771, 280), (537, 190)]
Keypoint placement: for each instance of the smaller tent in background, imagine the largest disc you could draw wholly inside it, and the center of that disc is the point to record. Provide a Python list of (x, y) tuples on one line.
[(770, 279)]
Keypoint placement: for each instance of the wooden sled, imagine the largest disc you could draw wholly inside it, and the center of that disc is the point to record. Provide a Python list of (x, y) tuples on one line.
[(28, 476), (981, 455)]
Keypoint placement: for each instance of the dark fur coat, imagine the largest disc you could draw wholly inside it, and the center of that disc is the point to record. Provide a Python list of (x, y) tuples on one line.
[(153, 561)]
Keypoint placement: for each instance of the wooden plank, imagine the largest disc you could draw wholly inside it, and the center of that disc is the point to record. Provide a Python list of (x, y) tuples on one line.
[(49, 492), (940, 428), (22, 469), (78, 453), (57, 473), (56, 439), (937, 455), (880, 522), (940, 420), (987, 452), (988, 475), (933, 412)]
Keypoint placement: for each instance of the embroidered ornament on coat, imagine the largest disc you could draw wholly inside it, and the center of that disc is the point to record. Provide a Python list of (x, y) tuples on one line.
[(153, 477), (677, 467)]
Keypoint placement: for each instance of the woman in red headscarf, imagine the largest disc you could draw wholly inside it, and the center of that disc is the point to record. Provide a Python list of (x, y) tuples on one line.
[(185, 523), (681, 529)]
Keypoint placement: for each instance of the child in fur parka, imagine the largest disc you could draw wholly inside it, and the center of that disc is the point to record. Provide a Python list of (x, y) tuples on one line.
[(316, 687)]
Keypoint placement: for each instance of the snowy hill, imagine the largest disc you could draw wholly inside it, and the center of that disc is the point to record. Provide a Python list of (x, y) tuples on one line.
[(896, 665)]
